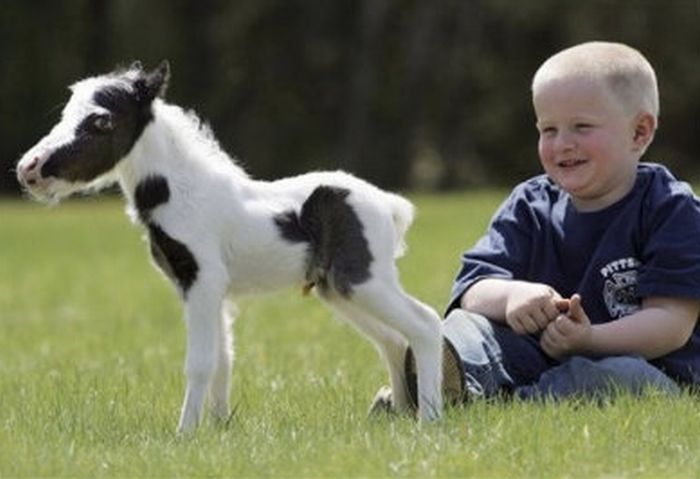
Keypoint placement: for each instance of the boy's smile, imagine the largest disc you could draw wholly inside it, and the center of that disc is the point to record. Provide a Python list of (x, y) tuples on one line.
[(573, 163), (586, 142)]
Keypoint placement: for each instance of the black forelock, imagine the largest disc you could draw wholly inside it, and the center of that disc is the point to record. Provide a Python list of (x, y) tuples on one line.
[(117, 99), (125, 102), (141, 85)]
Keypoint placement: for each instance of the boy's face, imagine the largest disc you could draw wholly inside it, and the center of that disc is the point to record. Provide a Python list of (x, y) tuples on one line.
[(587, 141)]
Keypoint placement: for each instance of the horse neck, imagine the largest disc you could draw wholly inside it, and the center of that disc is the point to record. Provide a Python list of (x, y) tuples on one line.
[(173, 145)]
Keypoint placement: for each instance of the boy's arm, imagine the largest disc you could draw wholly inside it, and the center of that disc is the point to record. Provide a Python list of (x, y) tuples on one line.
[(526, 307), (660, 327)]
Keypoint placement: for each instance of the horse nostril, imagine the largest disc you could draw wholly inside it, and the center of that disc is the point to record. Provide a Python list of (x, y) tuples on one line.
[(32, 165), (29, 174)]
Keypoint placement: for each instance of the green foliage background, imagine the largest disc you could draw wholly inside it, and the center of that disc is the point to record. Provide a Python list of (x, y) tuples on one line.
[(407, 93)]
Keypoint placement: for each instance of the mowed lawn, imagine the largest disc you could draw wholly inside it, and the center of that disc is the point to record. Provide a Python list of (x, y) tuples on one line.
[(92, 346)]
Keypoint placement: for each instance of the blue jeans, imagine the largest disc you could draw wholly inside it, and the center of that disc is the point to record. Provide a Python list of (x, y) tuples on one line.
[(496, 360)]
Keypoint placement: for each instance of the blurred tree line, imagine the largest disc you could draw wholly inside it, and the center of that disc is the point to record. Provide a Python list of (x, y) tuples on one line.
[(407, 93)]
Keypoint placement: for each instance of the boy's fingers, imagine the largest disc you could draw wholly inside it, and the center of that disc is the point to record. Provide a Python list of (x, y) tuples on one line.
[(575, 309), (551, 311), (562, 325), (562, 305), (529, 324), (548, 342), (541, 318)]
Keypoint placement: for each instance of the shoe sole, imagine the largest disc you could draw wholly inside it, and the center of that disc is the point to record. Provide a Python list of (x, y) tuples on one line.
[(453, 387)]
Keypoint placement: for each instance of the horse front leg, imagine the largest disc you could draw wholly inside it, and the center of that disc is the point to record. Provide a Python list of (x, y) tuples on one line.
[(203, 318), (221, 383)]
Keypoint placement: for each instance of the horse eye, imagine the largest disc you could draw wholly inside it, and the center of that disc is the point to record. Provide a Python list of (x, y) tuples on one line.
[(103, 123)]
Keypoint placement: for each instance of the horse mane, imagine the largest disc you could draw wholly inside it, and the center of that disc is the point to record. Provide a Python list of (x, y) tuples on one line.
[(195, 132)]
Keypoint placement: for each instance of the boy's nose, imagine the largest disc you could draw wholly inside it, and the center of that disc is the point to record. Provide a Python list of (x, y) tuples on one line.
[(563, 142)]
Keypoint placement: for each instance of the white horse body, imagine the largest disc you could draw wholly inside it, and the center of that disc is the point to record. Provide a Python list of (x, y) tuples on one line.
[(212, 196)]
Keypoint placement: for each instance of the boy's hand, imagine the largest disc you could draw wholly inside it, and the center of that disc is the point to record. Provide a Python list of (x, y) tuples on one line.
[(569, 333), (531, 307)]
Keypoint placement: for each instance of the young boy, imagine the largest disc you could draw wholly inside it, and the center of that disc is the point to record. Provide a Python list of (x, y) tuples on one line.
[(588, 278)]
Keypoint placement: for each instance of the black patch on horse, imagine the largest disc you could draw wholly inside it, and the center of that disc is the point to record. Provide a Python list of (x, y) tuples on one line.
[(173, 257), (339, 255), (290, 227), (95, 151), (150, 193)]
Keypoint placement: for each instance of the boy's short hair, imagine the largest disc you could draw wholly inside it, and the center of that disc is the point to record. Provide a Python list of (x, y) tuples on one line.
[(629, 76)]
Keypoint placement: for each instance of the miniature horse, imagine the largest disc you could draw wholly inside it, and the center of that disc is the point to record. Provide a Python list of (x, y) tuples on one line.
[(216, 232)]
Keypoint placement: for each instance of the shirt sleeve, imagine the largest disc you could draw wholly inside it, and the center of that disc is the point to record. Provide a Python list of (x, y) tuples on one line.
[(501, 253), (671, 256)]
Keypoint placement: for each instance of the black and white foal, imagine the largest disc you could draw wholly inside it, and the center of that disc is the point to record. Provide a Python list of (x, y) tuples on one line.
[(215, 232)]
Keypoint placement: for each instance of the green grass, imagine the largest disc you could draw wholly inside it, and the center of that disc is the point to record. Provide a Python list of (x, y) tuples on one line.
[(91, 351)]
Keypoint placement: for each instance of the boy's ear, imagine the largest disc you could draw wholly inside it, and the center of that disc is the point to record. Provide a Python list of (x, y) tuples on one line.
[(644, 128)]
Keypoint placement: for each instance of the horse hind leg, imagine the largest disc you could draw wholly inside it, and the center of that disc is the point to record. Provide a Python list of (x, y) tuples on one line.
[(422, 328), (343, 262), (390, 344)]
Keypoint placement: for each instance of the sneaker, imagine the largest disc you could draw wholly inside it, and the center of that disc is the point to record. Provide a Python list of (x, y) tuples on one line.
[(453, 388), (382, 403), (454, 391)]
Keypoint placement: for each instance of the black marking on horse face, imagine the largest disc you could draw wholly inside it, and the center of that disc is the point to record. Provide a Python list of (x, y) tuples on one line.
[(173, 257), (150, 193), (339, 252), (101, 139)]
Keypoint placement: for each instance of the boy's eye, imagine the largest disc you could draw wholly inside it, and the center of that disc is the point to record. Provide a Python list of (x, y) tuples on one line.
[(583, 126), (548, 131)]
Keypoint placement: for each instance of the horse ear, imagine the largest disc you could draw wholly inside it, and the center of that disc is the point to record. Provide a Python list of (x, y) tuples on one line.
[(153, 84)]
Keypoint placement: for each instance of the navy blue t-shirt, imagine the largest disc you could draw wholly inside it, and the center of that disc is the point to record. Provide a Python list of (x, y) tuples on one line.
[(646, 244)]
